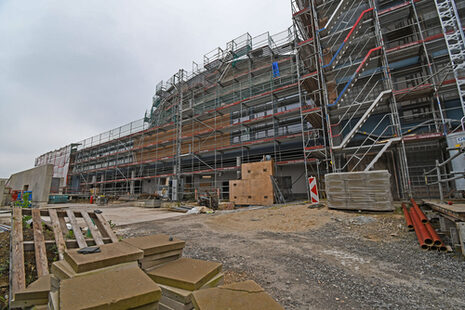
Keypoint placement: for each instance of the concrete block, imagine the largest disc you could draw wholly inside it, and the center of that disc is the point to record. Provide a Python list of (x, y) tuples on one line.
[(111, 254), (155, 244), (246, 295), (115, 289), (186, 273)]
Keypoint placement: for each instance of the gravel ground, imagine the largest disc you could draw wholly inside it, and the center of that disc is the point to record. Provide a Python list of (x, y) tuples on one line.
[(352, 261)]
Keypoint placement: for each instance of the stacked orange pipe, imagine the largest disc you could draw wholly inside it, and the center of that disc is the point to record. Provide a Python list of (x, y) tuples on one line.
[(426, 233), (408, 219), (420, 229), (420, 213)]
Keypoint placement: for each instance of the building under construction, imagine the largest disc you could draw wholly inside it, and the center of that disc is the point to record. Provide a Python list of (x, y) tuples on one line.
[(350, 86)]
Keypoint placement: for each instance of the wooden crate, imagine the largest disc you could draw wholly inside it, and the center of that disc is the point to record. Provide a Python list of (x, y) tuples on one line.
[(261, 192), (257, 170), (251, 192)]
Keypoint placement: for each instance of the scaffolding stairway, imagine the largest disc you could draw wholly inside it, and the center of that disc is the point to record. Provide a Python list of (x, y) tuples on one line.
[(455, 41), (381, 98)]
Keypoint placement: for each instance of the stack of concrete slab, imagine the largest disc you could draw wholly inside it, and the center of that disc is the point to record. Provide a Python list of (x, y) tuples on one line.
[(246, 295), (365, 190), (158, 249), (113, 289), (179, 279), (110, 279)]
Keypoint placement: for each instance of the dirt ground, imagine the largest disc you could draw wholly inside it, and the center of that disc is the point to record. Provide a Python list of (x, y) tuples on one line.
[(321, 259)]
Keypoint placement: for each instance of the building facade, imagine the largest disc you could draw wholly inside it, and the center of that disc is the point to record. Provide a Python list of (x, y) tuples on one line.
[(350, 86)]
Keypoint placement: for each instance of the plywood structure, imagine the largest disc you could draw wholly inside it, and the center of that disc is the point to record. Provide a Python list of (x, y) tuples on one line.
[(256, 187)]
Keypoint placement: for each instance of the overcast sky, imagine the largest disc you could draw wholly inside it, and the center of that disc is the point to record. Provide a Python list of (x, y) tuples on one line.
[(72, 69)]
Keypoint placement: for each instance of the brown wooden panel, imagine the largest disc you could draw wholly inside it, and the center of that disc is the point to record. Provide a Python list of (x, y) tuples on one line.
[(93, 230), (39, 244), (76, 229), (60, 241), (105, 227), (17, 274)]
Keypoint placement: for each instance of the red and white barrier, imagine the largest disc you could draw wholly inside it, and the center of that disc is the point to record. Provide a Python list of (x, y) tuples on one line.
[(313, 190)]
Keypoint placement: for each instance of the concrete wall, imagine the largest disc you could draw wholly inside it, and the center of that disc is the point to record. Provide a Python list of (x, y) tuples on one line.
[(2, 192), (297, 172), (38, 180)]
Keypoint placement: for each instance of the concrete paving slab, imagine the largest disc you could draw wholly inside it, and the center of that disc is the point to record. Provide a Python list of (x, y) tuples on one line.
[(118, 290), (150, 265), (111, 254), (186, 273), (156, 244), (152, 306), (176, 305), (246, 295), (154, 257), (215, 281), (38, 289), (63, 270)]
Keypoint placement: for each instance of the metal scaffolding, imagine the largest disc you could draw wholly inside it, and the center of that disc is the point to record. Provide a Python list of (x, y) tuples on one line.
[(351, 86)]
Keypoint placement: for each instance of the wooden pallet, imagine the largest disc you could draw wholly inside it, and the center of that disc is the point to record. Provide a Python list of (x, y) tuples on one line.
[(456, 211), (98, 226)]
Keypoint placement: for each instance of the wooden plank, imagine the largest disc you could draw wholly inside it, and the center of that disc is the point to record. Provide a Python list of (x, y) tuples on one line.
[(101, 228), (93, 230), (105, 227), (60, 241), (17, 274), (76, 229), (461, 233), (39, 244), (70, 244), (456, 211), (44, 212), (64, 228)]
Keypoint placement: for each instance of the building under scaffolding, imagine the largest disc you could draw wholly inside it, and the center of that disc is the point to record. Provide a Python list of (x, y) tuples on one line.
[(351, 86)]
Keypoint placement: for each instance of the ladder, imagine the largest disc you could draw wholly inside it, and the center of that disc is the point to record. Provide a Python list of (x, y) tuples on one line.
[(279, 195), (455, 40)]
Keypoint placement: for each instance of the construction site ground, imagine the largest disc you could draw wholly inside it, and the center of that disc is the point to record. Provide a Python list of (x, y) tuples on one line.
[(305, 258), (319, 258)]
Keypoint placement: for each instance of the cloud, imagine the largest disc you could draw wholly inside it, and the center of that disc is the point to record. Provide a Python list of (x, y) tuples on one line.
[(73, 69)]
